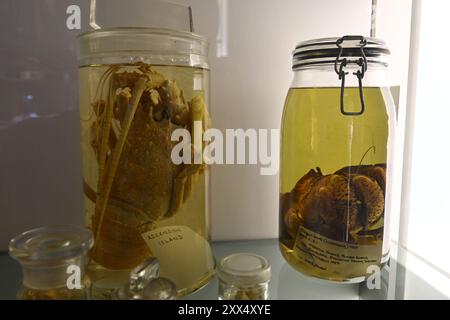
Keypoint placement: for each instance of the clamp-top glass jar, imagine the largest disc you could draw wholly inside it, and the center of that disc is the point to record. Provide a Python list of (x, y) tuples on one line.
[(336, 159), (138, 85)]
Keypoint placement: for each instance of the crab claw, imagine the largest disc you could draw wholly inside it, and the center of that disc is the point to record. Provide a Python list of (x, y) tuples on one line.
[(372, 197), (305, 184)]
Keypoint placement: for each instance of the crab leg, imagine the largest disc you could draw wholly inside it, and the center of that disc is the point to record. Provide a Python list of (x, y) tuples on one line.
[(179, 188), (116, 153), (105, 134), (197, 116), (197, 111)]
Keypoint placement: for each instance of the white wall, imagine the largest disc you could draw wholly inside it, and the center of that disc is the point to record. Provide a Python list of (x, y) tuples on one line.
[(393, 25), (428, 216)]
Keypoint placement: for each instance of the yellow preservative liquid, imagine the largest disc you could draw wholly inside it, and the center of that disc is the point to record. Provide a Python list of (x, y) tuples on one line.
[(138, 203), (333, 182)]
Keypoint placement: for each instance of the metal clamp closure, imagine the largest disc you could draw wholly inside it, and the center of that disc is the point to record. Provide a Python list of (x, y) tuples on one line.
[(341, 63)]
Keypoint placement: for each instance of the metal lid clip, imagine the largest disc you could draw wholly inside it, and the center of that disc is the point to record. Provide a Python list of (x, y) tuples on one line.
[(341, 63)]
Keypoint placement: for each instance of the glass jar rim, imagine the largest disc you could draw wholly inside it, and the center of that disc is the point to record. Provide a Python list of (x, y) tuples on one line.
[(244, 269), (143, 30), (129, 45), (51, 244), (325, 51)]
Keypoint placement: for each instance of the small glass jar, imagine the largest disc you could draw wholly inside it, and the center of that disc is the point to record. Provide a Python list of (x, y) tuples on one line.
[(53, 262), (244, 276), (336, 163)]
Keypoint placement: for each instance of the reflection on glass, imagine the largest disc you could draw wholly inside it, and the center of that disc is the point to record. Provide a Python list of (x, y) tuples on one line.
[(38, 61), (144, 13), (222, 33)]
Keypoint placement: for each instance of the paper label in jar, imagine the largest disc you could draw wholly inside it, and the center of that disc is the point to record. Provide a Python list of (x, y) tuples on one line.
[(327, 258), (184, 255)]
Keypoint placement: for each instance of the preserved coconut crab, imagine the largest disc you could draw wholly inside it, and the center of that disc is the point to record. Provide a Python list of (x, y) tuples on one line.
[(340, 205), (138, 183)]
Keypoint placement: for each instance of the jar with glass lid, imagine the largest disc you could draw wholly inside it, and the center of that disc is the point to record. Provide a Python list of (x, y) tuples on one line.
[(337, 159), (53, 260), (143, 78)]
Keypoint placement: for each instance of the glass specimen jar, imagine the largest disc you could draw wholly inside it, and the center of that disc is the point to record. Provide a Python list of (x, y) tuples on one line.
[(53, 262), (138, 87), (336, 159), (244, 276)]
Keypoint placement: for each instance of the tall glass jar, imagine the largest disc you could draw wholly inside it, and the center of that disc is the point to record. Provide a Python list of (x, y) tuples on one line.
[(137, 87), (336, 159)]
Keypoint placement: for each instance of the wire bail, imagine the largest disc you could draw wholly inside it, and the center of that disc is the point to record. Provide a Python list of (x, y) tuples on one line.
[(341, 63)]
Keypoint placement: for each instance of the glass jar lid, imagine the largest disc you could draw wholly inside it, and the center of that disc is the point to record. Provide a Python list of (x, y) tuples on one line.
[(244, 269), (163, 35), (51, 244), (327, 50), (140, 13), (160, 289), (146, 284), (148, 45)]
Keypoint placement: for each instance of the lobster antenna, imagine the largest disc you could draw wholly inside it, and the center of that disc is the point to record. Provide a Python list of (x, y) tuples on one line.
[(365, 154)]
